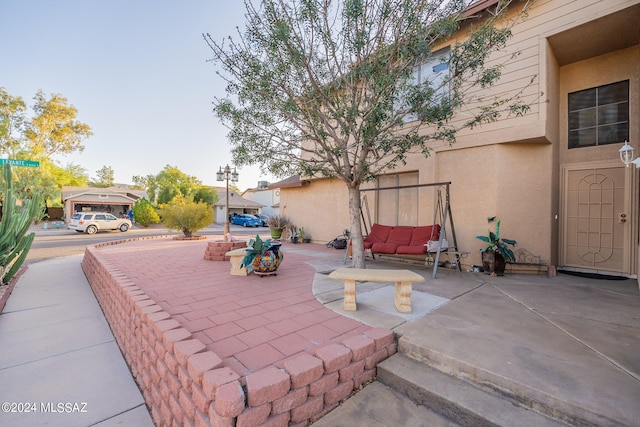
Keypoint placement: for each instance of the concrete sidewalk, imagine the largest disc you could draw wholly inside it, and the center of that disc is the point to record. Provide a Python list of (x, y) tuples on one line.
[(59, 363)]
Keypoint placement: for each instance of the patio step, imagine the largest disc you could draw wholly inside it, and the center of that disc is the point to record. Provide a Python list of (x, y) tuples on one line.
[(455, 399)]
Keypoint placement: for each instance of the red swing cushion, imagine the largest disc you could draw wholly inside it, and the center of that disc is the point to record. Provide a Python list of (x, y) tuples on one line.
[(401, 239), (379, 234)]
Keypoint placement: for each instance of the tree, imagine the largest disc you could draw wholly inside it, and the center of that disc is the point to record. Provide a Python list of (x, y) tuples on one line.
[(326, 88), (169, 183), (141, 182), (105, 177), (144, 213), (186, 215), (12, 117), (205, 194), (71, 174), (54, 128)]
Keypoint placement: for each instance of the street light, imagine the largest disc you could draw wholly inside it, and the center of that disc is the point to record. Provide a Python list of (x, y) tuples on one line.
[(626, 155), (227, 175)]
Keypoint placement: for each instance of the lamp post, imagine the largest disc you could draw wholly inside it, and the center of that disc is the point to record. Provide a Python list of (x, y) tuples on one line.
[(626, 155), (227, 175)]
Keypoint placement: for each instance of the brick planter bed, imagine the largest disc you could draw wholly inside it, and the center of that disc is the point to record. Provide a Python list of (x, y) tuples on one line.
[(184, 382), (215, 251)]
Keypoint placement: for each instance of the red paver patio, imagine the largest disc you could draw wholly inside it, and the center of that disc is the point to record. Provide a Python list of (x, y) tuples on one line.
[(251, 322)]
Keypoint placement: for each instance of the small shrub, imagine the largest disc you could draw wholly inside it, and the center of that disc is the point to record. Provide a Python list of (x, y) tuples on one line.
[(185, 215), (144, 213), (279, 222)]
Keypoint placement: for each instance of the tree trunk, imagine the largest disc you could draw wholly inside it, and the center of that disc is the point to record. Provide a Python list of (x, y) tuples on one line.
[(357, 244)]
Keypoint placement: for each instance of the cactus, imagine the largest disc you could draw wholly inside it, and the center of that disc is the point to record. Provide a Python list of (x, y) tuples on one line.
[(14, 240)]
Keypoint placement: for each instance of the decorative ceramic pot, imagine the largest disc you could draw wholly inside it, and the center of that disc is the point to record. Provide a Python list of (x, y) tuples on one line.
[(268, 263)]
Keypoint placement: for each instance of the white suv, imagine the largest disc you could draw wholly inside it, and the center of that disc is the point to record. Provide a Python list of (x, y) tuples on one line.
[(91, 222)]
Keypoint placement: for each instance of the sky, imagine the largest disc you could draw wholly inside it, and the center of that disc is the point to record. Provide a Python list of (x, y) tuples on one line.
[(139, 73)]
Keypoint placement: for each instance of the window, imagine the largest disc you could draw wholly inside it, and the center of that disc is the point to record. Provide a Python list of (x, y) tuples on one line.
[(599, 116), (398, 206), (436, 72)]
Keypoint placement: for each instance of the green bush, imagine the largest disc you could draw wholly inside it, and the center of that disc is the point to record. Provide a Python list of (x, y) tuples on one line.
[(144, 213), (185, 215)]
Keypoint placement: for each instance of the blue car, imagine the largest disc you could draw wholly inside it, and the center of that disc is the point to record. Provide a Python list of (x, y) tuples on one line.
[(246, 220)]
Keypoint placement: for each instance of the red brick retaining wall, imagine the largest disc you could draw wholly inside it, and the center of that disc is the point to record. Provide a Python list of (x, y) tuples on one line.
[(215, 251), (185, 384)]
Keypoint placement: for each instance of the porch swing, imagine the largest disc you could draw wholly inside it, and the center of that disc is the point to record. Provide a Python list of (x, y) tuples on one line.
[(442, 211)]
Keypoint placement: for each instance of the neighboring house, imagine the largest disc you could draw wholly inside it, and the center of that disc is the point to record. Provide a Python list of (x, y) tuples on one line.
[(116, 200), (237, 205), (263, 194), (553, 176)]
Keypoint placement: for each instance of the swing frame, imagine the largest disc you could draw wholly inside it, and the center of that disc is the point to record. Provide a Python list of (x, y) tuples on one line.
[(444, 210)]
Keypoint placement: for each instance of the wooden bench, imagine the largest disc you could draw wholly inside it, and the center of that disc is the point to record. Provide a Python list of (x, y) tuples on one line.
[(235, 258), (402, 278)]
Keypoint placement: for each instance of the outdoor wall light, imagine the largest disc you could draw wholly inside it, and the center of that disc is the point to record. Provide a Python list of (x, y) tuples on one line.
[(626, 155), (227, 175)]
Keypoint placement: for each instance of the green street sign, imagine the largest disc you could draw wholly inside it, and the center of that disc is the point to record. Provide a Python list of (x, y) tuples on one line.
[(25, 163)]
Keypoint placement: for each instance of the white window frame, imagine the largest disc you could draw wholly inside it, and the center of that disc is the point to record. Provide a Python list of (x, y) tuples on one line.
[(436, 71)]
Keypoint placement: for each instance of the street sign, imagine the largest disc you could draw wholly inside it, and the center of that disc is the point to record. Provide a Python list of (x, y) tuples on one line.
[(25, 163)]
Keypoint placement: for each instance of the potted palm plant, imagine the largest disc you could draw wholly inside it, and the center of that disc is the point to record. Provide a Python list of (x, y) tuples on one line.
[(496, 253), (277, 223), (263, 257)]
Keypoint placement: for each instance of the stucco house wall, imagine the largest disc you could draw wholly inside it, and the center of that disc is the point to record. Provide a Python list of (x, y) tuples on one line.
[(321, 207), (511, 168)]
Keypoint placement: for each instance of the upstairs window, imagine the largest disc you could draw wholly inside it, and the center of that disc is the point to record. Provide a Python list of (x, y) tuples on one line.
[(436, 72), (599, 116)]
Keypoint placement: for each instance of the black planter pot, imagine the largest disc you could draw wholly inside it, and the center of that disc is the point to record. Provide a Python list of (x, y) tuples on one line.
[(493, 263)]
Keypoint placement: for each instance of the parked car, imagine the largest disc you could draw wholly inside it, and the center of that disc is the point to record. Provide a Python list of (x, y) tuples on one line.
[(92, 222), (263, 219), (246, 220)]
